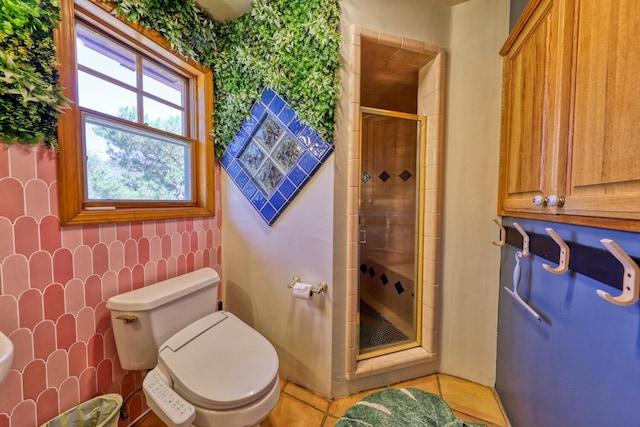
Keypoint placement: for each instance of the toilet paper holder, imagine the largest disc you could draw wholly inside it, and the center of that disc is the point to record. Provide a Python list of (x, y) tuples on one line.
[(321, 288)]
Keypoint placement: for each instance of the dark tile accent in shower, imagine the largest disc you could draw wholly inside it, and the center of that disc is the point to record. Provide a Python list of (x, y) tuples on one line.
[(372, 272), (399, 287), (384, 176), (405, 175), (383, 279), (363, 268)]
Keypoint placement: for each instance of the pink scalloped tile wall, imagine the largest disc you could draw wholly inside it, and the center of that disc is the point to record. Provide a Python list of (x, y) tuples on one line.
[(54, 284)]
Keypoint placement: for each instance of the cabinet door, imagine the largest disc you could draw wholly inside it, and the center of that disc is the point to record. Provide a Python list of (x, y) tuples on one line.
[(527, 110), (604, 144)]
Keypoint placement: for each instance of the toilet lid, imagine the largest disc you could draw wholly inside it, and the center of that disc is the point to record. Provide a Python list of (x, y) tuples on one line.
[(219, 362)]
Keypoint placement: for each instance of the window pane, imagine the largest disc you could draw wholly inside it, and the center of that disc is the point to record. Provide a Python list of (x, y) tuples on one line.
[(99, 95), (101, 54), (124, 163), (162, 83), (161, 116)]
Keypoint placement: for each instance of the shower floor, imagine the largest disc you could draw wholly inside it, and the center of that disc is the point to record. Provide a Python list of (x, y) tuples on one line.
[(375, 330)]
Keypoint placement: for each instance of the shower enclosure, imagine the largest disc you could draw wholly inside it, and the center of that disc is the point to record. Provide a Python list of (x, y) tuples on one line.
[(390, 240)]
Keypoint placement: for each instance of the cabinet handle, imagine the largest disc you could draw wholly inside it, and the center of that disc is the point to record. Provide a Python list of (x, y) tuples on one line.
[(538, 200), (554, 200)]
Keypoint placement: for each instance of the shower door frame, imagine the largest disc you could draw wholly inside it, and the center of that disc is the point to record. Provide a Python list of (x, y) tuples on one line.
[(431, 96), (419, 229)]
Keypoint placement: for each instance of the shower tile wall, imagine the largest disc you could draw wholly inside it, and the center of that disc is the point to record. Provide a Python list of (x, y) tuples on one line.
[(391, 292), (54, 284), (389, 198), (388, 215)]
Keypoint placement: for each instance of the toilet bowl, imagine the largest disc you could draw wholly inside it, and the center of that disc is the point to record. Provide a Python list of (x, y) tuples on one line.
[(214, 370)]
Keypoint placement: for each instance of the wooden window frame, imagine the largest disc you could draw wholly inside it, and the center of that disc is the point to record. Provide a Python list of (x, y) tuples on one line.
[(71, 182)]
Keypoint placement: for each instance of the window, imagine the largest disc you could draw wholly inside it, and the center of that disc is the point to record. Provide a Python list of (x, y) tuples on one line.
[(135, 144)]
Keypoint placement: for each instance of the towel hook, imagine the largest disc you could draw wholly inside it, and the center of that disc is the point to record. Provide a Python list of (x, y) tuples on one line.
[(630, 286), (503, 234), (525, 240), (563, 263)]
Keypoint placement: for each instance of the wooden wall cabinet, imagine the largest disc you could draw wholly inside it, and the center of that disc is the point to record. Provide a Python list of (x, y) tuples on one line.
[(571, 113)]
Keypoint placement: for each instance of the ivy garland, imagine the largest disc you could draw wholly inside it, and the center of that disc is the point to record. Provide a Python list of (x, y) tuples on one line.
[(188, 29), (30, 100), (291, 46)]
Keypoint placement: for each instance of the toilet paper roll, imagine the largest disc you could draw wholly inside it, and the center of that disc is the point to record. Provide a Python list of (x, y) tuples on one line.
[(302, 291)]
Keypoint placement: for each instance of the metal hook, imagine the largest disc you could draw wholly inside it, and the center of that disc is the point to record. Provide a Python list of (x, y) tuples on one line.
[(525, 240), (563, 263), (630, 286), (503, 234)]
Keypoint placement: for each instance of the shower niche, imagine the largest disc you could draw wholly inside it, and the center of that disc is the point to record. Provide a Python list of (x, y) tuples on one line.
[(396, 122)]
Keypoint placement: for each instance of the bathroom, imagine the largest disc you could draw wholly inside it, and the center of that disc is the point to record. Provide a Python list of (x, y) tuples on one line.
[(55, 282)]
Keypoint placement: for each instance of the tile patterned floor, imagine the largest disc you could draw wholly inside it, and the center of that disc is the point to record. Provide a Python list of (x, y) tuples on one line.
[(300, 407)]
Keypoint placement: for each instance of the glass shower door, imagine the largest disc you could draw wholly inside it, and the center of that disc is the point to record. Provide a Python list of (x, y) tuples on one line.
[(390, 239)]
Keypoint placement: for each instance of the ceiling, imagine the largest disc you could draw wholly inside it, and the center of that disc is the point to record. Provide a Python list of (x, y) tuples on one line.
[(224, 10), (389, 76)]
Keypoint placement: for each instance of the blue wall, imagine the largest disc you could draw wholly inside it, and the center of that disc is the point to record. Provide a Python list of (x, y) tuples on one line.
[(580, 367)]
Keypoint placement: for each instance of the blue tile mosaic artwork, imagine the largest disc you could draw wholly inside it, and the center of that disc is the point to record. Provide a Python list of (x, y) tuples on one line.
[(273, 155)]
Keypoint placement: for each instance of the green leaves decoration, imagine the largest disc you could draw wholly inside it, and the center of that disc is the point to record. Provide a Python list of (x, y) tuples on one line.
[(291, 46), (400, 407), (30, 100), (188, 29)]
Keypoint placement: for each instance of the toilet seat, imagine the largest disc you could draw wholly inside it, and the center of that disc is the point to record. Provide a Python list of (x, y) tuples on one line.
[(219, 362)]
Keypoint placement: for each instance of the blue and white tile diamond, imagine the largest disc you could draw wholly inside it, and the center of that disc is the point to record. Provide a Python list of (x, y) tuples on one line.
[(273, 155)]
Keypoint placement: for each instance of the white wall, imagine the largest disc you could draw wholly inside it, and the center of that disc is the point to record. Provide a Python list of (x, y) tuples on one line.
[(470, 279), (259, 261), (417, 19)]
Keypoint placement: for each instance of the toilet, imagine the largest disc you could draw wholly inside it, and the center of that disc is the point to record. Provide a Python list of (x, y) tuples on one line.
[(207, 367)]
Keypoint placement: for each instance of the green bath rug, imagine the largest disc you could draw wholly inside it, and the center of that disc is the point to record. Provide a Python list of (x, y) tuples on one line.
[(402, 407)]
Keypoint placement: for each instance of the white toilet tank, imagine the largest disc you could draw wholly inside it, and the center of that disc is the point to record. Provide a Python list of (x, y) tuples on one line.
[(145, 318)]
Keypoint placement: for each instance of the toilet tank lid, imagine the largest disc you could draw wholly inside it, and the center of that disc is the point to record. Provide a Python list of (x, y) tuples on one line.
[(160, 293)]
